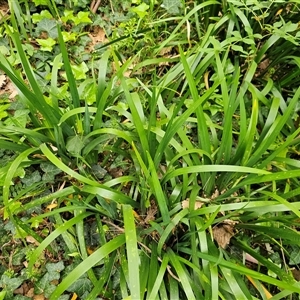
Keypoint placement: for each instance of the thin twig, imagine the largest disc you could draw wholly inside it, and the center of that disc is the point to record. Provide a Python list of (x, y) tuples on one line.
[(111, 6), (96, 6), (92, 5)]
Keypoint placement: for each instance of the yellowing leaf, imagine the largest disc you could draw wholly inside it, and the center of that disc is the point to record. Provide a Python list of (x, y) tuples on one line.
[(46, 45), (74, 297), (51, 206), (267, 293)]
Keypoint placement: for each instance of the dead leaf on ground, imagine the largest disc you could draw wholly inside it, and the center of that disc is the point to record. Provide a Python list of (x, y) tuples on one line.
[(25, 289), (215, 194), (39, 297), (19, 291), (230, 222), (30, 293), (2, 81), (165, 50), (7, 87), (296, 274), (32, 240), (186, 204), (263, 65), (151, 212), (116, 172), (97, 36), (224, 232), (4, 9)]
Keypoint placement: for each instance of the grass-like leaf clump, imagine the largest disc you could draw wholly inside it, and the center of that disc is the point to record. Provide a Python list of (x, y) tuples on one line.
[(150, 150)]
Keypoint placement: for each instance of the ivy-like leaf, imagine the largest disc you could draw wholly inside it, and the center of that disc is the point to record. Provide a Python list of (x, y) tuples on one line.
[(80, 70), (32, 178), (18, 256), (3, 108), (87, 91), (10, 284), (20, 118), (49, 170), (42, 283), (82, 17), (55, 268), (141, 10), (69, 36), (74, 145), (46, 44), (53, 273), (172, 6), (295, 255), (98, 171), (81, 3), (48, 26), (80, 286), (44, 14)]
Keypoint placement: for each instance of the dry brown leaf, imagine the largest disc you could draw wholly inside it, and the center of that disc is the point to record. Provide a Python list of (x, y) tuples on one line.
[(2, 81), (32, 240), (97, 36), (127, 74), (186, 204), (55, 282), (39, 297), (23, 289), (230, 222), (7, 87), (165, 50), (30, 293), (296, 274), (215, 194), (151, 212), (116, 172), (224, 232), (4, 10), (222, 235), (264, 64), (19, 291)]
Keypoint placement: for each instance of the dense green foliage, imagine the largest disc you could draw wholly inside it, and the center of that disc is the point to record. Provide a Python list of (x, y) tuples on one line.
[(151, 149)]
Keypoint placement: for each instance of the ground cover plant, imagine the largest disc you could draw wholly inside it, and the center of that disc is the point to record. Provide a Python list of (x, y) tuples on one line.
[(150, 150)]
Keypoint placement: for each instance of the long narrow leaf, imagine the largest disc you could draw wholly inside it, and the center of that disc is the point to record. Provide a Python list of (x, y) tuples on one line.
[(87, 264), (132, 252)]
